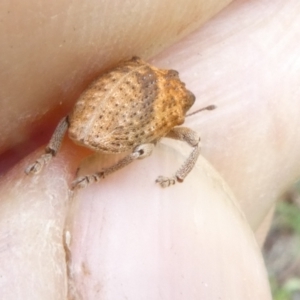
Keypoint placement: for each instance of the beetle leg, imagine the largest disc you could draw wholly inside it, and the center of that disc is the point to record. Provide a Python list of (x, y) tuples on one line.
[(191, 137), (139, 152), (51, 149)]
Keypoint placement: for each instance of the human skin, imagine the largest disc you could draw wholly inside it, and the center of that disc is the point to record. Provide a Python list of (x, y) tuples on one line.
[(125, 236)]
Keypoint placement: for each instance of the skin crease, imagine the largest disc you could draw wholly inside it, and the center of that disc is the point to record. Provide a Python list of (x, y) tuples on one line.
[(190, 241)]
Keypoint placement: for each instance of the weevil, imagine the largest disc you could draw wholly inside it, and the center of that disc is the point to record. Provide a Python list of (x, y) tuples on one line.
[(128, 109)]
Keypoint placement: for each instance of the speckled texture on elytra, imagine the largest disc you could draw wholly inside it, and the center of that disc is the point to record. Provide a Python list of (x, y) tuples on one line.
[(133, 104)]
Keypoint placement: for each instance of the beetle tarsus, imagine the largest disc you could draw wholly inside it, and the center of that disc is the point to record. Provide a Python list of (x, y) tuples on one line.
[(84, 181), (165, 181), (38, 165)]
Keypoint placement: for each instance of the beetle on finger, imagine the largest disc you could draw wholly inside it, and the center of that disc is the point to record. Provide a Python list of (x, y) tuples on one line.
[(127, 109)]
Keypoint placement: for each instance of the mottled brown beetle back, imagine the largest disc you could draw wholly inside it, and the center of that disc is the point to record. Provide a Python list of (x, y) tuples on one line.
[(133, 104)]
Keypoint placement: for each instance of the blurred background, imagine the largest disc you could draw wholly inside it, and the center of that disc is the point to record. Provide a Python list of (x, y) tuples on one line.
[(282, 248)]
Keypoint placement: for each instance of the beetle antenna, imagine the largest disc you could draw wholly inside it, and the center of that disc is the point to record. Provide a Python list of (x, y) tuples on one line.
[(210, 107)]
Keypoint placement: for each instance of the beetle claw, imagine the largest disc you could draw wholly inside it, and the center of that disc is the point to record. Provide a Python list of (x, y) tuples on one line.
[(38, 165), (84, 181), (34, 168), (165, 181), (80, 182)]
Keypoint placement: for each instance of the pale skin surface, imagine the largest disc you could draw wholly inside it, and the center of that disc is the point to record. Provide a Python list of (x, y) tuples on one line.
[(126, 237)]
